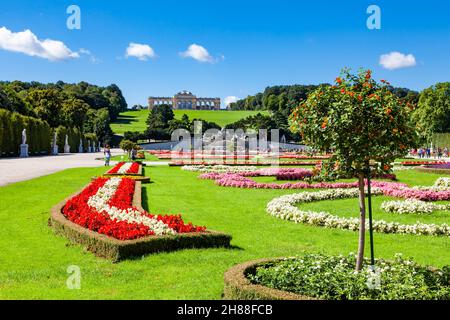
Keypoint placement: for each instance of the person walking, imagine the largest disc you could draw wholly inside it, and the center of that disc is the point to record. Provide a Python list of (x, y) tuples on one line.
[(107, 153)]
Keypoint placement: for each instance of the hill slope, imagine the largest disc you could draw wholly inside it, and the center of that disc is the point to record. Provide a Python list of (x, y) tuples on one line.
[(135, 120)]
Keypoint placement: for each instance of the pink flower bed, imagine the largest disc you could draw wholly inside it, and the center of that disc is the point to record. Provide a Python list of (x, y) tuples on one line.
[(392, 189), (409, 193), (241, 181)]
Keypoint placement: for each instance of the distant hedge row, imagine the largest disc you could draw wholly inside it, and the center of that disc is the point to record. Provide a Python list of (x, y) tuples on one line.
[(39, 135), (74, 135), (11, 126)]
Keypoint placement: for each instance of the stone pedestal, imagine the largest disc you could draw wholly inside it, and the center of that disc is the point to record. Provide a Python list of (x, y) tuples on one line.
[(24, 151), (55, 150), (66, 148)]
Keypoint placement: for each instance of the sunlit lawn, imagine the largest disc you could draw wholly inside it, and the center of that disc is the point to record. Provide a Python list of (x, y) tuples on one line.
[(33, 260)]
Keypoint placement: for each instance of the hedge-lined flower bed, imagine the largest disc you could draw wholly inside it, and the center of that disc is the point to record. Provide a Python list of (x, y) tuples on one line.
[(107, 218), (285, 208), (124, 168), (105, 206), (334, 278), (421, 163)]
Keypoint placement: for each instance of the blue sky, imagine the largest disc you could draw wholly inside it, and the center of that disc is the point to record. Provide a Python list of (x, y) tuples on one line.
[(251, 44)]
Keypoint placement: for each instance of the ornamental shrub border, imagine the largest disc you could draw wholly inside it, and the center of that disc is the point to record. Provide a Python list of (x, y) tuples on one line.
[(118, 250), (237, 286)]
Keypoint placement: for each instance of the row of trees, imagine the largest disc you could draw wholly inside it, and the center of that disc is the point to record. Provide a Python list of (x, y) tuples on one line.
[(161, 123), (11, 126), (39, 135), (83, 106), (431, 106)]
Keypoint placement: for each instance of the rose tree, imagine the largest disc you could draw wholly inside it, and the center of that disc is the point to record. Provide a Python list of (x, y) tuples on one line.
[(362, 122)]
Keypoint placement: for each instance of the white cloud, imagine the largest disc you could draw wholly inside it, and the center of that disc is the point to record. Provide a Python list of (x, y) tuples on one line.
[(141, 51), (198, 53), (397, 60), (28, 43), (230, 99), (93, 59)]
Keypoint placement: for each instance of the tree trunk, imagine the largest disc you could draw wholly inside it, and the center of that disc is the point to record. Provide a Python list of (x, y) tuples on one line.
[(362, 223)]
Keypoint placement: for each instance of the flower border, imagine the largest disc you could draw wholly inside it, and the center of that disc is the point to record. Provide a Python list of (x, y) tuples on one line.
[(284, 207), (118, 250)]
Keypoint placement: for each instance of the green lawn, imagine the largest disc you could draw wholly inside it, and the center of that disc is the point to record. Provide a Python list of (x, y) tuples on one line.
[(135, 120), (33, 261)]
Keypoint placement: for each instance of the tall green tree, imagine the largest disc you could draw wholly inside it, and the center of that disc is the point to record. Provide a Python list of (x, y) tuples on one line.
[(74, 112), (362, 121), (432, 114)]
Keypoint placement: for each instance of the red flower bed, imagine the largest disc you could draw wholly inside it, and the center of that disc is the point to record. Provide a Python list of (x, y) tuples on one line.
[(421, 163), (134, 168), (78, 211), (116, 168)]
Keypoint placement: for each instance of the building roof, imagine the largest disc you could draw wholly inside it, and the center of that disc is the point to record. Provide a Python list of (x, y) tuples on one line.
[(184, 93)]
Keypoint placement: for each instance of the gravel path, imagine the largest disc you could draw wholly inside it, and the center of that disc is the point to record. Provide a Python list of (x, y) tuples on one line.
[(20, 169)]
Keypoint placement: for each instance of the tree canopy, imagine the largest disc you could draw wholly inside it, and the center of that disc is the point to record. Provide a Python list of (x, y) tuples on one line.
[(361, 121), (432, 114)]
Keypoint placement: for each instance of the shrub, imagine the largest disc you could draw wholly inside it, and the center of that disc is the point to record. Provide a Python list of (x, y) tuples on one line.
[(334, 278), (11, 126)]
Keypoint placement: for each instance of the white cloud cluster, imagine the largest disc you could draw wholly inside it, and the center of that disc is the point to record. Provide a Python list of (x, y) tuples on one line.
[(397, 60), (141, 51), (27, 42), (230, 99), (199, 53)]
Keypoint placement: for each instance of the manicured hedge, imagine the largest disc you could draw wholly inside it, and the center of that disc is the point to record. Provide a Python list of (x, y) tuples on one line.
[(117, 250), (39, 135), (237, 286), (11, 127)]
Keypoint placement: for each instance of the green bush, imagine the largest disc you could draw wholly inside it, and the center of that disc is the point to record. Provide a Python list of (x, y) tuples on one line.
[(334, 278), (11, 127)]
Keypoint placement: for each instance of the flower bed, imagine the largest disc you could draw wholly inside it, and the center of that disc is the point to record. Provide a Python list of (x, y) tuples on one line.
[(443, 168), (237, 285), (285, 208), (108, 219), (243, 181), (126, 168), (252, 171), (412, 206), (219, 169), (334, 278), (421, 163), (242, 163)]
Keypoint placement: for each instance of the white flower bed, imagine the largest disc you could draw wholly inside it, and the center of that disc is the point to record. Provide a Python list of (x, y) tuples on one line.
[(219, 169), (100, 200), (442, 183), (285, 208), (412, 206)]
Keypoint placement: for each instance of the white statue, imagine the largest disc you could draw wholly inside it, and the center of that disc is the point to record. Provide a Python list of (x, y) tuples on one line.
[(66, 145), (24, 136), (54, 139)]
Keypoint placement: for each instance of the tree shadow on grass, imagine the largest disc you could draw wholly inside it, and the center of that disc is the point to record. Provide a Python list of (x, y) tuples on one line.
[(125, 120)]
